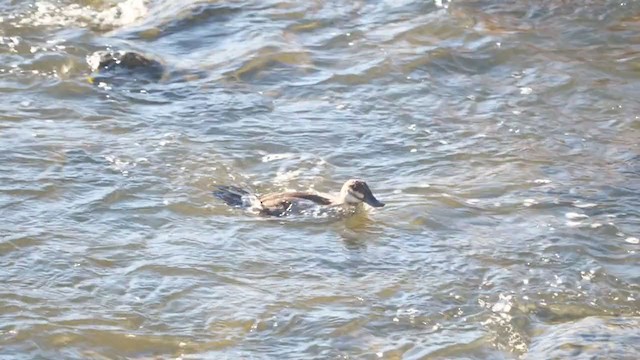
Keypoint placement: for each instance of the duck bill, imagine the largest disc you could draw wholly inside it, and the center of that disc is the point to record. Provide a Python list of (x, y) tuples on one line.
[(371, 200)]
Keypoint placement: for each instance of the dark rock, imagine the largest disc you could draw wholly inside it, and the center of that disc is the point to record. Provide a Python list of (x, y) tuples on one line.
[(131, 64)]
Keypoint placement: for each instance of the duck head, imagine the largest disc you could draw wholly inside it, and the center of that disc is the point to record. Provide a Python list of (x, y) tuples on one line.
[(356, 191)]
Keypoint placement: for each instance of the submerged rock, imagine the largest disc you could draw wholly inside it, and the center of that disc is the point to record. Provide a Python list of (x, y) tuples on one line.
[(133, 65)]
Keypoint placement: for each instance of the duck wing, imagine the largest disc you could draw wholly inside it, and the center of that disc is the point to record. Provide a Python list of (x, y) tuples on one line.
[(279, 204)]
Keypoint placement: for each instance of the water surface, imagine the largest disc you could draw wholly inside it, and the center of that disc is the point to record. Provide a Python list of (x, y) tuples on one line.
[(503, 136)]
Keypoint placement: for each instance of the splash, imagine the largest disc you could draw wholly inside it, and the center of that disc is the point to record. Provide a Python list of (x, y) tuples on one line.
[(46, 13), (251, 203)]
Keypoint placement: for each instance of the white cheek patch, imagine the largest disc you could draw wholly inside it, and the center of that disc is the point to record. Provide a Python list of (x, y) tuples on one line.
[(351, 197)]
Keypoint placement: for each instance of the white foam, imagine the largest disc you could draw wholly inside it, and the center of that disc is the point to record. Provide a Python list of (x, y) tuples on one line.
[(632, 240), (503, 305), (274, 157), (573, 223), (574, 216), (284, 177), (587, 276), (251, 202), (582, 205), (526, 90), (47, 13)]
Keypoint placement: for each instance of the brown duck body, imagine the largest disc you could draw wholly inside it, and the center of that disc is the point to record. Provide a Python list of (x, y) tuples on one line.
[(278, 204), (352, 195)]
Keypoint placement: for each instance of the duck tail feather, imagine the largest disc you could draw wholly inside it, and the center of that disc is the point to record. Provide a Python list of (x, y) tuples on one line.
[(231, 195)]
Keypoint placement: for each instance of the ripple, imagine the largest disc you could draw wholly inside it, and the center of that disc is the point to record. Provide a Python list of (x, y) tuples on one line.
[(589, 337)]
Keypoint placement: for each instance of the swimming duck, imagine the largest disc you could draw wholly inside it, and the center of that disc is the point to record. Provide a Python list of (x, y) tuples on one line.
[(353, 194)]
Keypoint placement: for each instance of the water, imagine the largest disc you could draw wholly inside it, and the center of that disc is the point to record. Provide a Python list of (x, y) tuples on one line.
[(503, 137)]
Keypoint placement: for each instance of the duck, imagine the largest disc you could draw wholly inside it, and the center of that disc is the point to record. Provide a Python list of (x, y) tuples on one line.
[(353, 195)]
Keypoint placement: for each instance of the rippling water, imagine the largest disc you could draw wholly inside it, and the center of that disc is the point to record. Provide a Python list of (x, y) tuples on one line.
[(503, 136)]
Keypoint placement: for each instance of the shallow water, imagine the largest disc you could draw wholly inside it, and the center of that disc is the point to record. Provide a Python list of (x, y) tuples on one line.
[(503, 136)]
